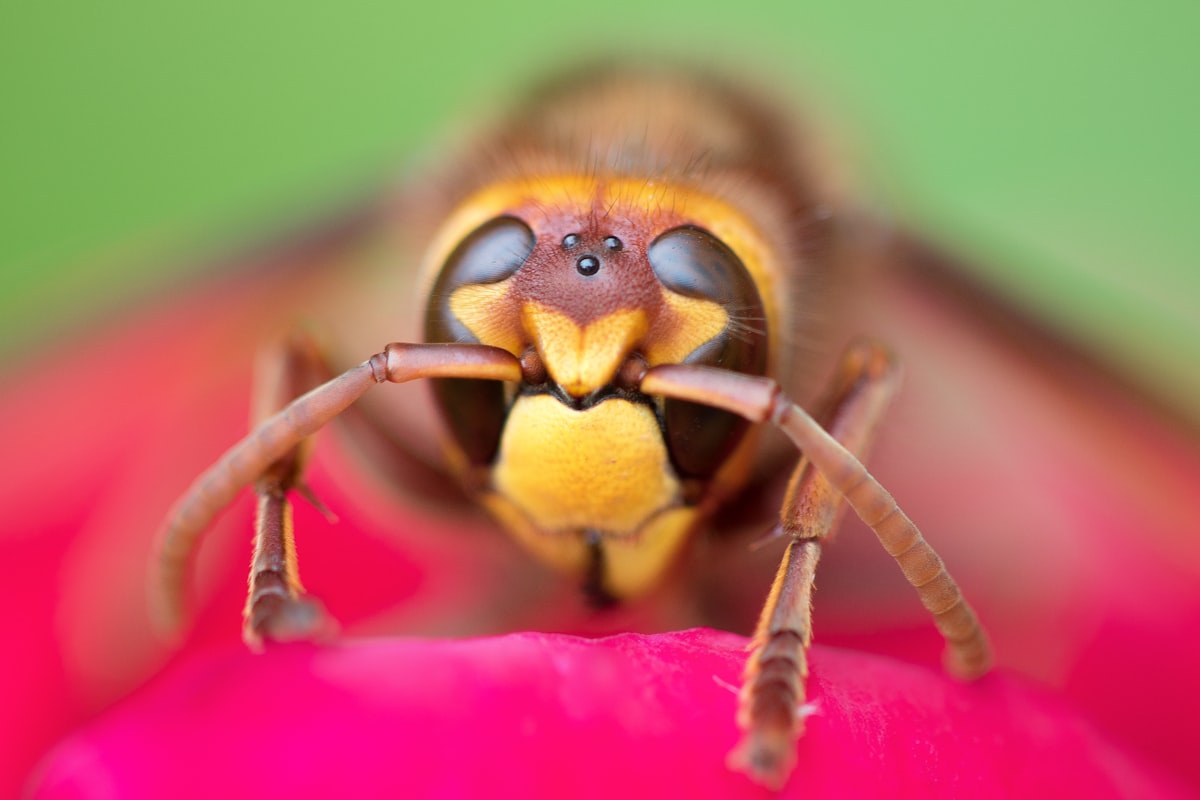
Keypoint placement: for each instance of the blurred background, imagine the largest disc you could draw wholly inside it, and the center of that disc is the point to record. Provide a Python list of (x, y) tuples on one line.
[(1052, 144)]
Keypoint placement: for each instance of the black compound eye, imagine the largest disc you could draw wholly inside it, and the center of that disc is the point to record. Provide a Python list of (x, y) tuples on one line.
[(694, 263), (474, 410), (490, 253)]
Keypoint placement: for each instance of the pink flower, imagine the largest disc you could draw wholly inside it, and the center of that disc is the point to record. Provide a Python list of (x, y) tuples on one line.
[(538, 715), (1064, 508)]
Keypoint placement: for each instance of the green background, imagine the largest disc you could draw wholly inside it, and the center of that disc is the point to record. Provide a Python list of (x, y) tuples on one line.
[(1054, 143)]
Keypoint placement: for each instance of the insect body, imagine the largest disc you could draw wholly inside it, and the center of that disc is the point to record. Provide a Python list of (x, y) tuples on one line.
[(633, 271)]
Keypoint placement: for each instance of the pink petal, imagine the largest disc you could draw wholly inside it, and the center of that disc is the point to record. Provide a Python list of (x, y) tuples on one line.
[(540, 715)]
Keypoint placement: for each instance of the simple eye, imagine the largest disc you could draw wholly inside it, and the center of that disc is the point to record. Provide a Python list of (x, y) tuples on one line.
[(474, 410), (694, 263)]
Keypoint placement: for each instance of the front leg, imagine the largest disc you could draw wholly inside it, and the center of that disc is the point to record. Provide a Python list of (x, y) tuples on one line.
[(277, 607), (262, 458)]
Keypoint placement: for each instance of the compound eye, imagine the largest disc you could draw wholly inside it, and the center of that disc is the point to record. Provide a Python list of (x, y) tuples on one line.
[(694, 263), (489, 254), (474, 410)]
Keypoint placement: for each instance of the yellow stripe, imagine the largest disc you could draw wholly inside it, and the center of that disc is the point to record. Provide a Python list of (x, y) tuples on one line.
[(581, 360), (701, 321), (475, 306)]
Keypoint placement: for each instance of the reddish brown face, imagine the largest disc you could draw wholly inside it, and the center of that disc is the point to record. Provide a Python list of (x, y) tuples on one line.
[(586, 289), (586, 269)]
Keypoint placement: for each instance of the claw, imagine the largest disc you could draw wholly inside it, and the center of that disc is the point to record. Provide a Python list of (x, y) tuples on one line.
[(280, 618)]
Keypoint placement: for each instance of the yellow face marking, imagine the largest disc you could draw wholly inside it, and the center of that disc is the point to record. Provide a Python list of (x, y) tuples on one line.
[(476, 306), (581, 360), (563, 551), (636, 564), (698, 321), (562, 472), (633, 564), (604, 468)]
